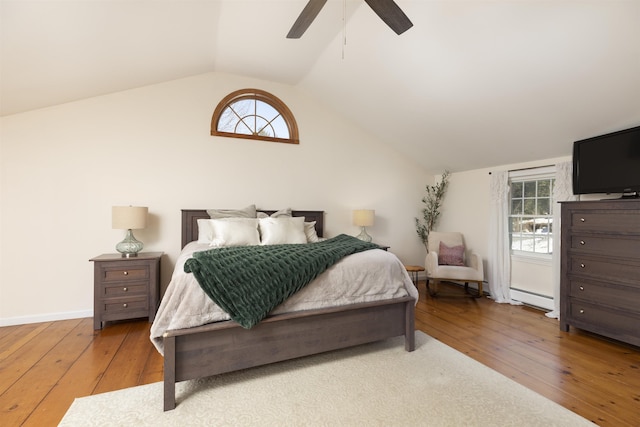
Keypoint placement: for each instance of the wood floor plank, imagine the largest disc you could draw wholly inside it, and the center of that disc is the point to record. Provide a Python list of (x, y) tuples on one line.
[(127, 366), (18, 362), (154, 367), (19, 400), (9, 334), (15, 338), (82, 377)]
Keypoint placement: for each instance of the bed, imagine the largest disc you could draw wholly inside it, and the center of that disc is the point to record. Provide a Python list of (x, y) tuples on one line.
[(224, 346)]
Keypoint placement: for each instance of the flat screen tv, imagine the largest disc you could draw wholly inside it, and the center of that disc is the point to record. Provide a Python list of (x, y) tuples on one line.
[(608, 164)]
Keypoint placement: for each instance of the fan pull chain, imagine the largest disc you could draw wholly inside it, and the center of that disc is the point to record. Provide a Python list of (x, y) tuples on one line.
[(344, 26)]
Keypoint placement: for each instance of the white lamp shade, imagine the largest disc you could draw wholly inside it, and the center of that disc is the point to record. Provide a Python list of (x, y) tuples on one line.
[(363, 217), (129, 217)]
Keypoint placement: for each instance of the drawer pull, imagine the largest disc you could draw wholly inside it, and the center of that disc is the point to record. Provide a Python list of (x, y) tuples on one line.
[(126, 273), (125, 289), (125, 305), (581, 219), (582, 288), (582, 242), (581, 311)]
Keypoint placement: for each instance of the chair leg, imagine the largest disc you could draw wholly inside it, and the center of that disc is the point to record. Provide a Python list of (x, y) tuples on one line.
[(479, 293), (433, 292), (475, 295)]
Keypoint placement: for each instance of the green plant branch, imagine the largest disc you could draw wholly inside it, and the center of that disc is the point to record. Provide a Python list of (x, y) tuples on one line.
[(431, 211)]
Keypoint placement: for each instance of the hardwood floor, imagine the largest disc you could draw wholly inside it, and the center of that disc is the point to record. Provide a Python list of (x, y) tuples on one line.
[(44, 366)]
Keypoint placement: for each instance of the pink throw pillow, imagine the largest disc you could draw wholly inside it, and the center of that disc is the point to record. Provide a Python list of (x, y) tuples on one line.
[(451, 256)]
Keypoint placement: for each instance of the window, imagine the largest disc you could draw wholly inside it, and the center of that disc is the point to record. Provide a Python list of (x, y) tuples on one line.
[(254, 114), (531, 213)]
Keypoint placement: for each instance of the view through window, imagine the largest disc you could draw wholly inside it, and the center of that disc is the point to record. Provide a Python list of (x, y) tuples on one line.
[(254, 114), (531, 215)]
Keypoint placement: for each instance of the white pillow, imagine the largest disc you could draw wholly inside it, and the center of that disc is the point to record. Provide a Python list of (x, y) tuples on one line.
[(310, 232), (205, 232), (248, 212), (283, 230), (235, 232), (286, 212)]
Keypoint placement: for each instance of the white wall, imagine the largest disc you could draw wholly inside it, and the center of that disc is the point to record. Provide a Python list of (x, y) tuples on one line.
[(62, 168), (466, 209)]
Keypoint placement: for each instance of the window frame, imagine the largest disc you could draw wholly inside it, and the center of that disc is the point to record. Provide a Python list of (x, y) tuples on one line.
[(528, 175), (262, 96)]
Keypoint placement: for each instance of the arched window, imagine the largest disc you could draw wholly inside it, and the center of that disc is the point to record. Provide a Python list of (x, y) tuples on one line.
[(254, 114)]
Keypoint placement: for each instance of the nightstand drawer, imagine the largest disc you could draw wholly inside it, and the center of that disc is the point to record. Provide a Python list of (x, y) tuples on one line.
[(124, 290), (120, 274), (127, 305)]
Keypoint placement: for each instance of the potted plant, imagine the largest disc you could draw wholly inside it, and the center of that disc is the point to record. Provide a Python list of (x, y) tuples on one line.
[(431, 211)]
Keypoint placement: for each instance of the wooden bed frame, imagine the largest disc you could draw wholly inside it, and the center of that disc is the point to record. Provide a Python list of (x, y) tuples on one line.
[(222, 347)]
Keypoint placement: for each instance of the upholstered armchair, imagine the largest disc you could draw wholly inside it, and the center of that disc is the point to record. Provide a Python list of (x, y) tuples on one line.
[(449, 260)]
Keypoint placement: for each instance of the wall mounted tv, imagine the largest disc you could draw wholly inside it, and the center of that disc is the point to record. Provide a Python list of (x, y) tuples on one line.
[(608, 164)]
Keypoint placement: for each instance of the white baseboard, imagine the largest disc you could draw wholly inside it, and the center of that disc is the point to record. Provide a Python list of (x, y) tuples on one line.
[(49, 317), (532, 299)]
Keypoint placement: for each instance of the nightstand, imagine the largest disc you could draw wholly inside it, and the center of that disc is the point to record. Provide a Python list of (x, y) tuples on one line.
[(125, 288)]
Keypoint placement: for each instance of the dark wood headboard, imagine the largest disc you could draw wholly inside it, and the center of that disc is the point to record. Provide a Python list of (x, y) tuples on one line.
[(190, 219)]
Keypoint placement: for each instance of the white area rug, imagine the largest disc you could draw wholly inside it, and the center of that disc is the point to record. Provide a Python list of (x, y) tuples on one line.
[(374, 384)]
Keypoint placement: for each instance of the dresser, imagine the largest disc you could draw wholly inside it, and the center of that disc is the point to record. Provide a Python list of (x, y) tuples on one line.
[(125, 288), (600, 268)]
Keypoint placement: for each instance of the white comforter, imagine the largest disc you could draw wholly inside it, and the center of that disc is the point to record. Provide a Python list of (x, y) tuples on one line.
[(362, 277)]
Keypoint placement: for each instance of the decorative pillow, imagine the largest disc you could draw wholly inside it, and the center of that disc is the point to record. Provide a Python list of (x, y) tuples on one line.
[(235, 232), (310, 232), (278, 214), (248, 212), (451, 256), (283, 230)]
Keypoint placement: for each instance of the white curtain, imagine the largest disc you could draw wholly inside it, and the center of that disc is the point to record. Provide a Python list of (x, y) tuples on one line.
[(562, 191), (499, 267)]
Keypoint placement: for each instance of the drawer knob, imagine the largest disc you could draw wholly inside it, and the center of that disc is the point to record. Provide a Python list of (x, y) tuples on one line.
[(582, 288), (582, 265), (125, 289), (581, 219), (582, 242), (581, 311), (126, 273), (125, 305)]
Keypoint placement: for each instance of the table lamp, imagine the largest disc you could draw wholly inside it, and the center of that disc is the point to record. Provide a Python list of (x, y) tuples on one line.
[(129, 218), (363, 218)]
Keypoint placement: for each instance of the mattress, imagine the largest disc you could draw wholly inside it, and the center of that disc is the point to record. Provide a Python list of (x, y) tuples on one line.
[(372, 275)]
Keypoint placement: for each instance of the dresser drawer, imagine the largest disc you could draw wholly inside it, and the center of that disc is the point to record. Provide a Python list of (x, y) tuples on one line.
[(124, 290), (623, 246), (617, 324), (605, 269), (625, 297), (623, 221), (125, 273)]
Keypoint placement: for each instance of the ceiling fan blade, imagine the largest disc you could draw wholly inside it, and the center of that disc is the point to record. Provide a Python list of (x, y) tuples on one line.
[(305, 19), (391, 14)]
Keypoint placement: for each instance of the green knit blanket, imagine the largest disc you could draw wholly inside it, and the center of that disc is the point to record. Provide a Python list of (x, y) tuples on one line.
[(249, 281)]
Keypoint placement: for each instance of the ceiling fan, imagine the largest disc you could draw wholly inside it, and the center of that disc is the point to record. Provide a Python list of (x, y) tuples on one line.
[(387, 10)]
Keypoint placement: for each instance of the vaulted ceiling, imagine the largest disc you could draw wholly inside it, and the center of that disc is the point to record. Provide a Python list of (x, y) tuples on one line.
[(473, 84)]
